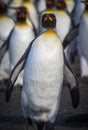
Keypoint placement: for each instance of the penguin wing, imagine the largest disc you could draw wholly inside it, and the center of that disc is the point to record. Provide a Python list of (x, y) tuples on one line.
[(15, 72), (71, 36), (4, 47), (72, 84)]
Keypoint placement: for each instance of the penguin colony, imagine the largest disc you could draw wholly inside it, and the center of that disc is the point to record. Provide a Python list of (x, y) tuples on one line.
[(39, 37)]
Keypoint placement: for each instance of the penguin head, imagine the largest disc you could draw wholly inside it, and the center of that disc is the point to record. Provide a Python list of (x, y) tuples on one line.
[(3, 8), (21, 13), (48, 21), (60, 4), (86, 4), (49, 3)]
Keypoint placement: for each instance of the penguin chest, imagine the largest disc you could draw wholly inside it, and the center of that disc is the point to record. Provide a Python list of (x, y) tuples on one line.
[(43, 76), (83, 37), (63, 24), (18, 43), (6, 25)]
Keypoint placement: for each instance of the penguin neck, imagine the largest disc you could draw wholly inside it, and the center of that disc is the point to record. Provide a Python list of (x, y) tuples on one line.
[(2, 15), (21, 24), (21, 20), (51, 30)]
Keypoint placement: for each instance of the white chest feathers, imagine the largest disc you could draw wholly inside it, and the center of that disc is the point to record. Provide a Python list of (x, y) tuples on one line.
[(63, 24), (19, 41), (43, 77), (6, 25)]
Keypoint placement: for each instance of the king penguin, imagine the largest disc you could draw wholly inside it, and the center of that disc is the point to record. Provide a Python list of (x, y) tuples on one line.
[(63, 24), (70, 5), (43, 64), (33, 13), (83, 42), (41, 5), (13, 3), (19, 39), (49, 9), (78, 11), (6, 25)]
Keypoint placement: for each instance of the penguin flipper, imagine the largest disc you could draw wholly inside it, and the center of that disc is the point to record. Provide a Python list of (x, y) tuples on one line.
[(15, 72), (4, 47), (72, 84), (71, 36), (3, 50)]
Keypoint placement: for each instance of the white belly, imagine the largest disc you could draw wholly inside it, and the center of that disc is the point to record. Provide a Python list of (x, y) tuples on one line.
[(63, 24), (43, 77), (6, 25), (83, 38), (19, 42)]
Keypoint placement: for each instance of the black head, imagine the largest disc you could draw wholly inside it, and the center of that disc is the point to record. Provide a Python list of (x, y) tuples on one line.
[(60, 4), (21, 13), (86, 4), (49, 3), (3, 8), (48, 21)]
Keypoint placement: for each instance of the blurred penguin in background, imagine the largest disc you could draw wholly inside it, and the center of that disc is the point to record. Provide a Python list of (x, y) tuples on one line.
[(33, 14), (6, 25), (49, 10), (41, 5), (63, 24), (70, 4), (78, 11), (13, 3), (44, 63), (63, 27), (83, 41), (4, 1), (19, 39)]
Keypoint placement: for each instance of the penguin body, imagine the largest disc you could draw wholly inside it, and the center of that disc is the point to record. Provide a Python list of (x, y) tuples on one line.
[(40, 79), (41, 5), (33, 14), (21, 36), (43, 64), (78, 11), (83, 44), (63, 25), (6, 25), (13, 3), (70, 5)]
